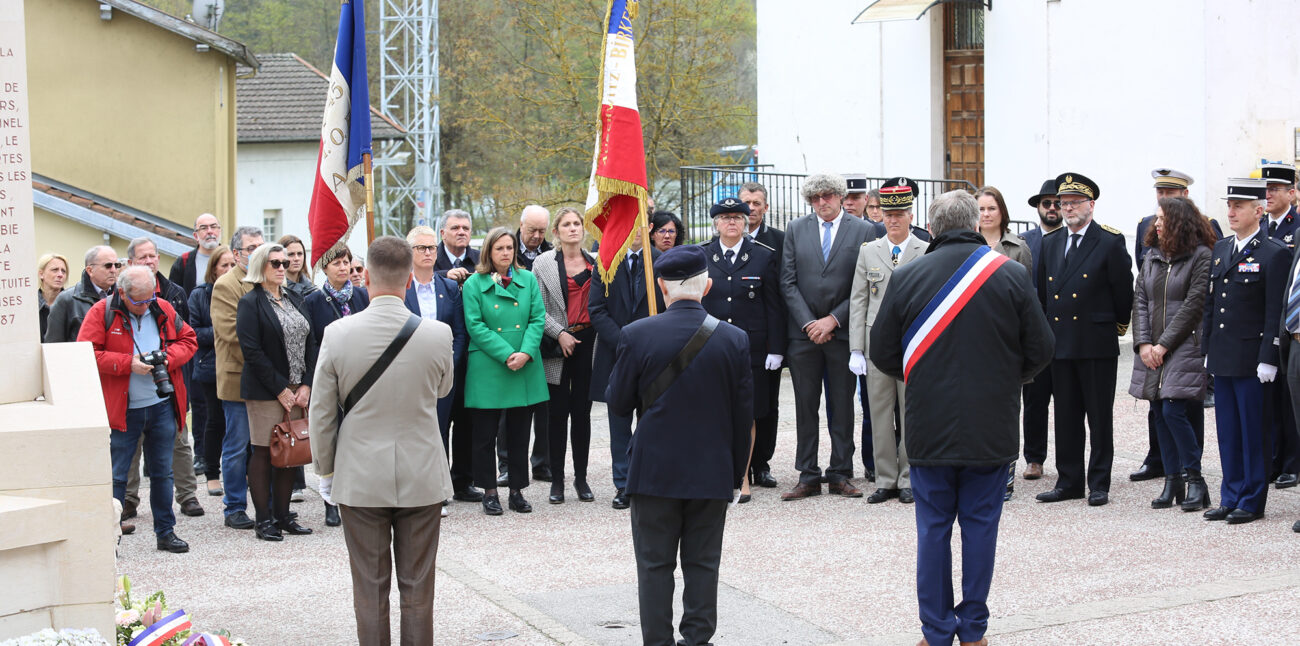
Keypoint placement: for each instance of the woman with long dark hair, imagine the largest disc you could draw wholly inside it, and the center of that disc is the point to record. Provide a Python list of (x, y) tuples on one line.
[(1168, 302)]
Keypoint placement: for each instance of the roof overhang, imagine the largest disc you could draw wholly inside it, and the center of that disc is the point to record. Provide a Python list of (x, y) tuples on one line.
[(885, 10), (227, 46), (110, 217)]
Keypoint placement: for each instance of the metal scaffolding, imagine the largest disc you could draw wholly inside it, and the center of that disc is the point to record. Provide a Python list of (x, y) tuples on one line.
[(408, 171)]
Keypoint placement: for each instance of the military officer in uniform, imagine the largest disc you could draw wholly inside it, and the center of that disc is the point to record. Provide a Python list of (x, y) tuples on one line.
[(876, 263), (746, 294), (1168, 183), (856, 201), (1279, 410), (1085, 283), (1247, 283), (754, 195)]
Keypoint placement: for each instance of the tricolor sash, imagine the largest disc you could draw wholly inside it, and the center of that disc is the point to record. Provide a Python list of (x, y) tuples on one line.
[(947, 304), (206, 639), (162, 630)]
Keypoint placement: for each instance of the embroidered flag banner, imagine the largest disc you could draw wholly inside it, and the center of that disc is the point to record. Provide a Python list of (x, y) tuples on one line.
[(617, 195), (338, 198)]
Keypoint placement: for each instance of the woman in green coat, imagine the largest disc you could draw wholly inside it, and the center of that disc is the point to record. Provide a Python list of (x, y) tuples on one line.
[(505, 319)]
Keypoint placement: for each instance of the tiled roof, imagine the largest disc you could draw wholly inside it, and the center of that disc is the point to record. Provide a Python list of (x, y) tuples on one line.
[(116, 214), (284, 102)]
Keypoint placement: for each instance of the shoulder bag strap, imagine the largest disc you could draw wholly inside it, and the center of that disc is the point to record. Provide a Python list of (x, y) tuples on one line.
[(381, 364), (678, 365)]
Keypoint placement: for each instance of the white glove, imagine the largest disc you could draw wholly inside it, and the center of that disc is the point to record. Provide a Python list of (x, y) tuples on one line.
[(1266, 373), (773, 362), (326, 487), (857, 363)]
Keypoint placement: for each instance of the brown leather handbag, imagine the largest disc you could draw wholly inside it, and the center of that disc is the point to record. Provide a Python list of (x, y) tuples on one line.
[(291, 442)]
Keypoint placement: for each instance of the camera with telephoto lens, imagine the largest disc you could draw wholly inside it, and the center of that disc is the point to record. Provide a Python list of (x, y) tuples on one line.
[(162, 382)]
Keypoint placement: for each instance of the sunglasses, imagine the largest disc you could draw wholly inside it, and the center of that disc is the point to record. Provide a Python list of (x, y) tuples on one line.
[(112, 265), (278, 264), (1050, 204)]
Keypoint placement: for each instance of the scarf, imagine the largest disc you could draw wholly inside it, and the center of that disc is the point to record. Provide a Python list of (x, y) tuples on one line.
[(341, 296), (504, 281)]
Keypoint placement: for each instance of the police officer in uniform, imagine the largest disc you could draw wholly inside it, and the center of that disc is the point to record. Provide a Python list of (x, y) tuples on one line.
[(746, 294), (1247, 281), (1086, 286), (1280, 219)]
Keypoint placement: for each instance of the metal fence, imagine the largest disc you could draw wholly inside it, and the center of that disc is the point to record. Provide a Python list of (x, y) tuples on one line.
[(702, 186)]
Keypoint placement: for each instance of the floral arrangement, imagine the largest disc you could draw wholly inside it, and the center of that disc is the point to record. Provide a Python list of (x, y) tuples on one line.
[(67, 637), (150, 623)]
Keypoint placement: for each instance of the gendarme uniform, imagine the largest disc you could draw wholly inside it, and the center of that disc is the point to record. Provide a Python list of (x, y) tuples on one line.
[(1279, 411), (1085, 283), (1285, 229)]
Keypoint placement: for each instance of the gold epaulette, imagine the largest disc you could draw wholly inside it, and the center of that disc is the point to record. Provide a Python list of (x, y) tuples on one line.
[(1107, 227)]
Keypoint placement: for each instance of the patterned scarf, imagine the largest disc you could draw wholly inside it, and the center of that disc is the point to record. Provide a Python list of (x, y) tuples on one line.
[(341, 296), (504, 281)]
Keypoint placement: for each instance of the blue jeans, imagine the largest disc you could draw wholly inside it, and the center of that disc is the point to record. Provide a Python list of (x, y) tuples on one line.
[(234, 457), (973, 497), (620, 436), (156, 425), (1179, 450)]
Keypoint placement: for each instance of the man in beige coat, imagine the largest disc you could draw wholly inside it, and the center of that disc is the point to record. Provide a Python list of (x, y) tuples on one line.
[(226, 293), (383, 463), (876, 263)]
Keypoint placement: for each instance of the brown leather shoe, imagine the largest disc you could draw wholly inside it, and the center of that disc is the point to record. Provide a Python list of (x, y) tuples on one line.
[(1033, 471), (802, 490), (845, 489), (127, 528), (923, 643)]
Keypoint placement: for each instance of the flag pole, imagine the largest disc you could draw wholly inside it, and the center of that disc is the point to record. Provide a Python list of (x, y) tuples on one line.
[(647, 252), (369, 173)]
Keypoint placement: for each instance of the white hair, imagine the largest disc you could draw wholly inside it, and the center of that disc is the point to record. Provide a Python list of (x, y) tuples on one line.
[(135, 278), (257, 262), (535, 209), (691, 289)]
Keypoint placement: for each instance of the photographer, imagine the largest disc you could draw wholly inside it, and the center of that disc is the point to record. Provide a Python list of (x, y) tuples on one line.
[(140, 347)]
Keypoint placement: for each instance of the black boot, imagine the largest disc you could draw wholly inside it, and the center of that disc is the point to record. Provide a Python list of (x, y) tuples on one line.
[(1173, 493), (1198, 495), (332, 516)]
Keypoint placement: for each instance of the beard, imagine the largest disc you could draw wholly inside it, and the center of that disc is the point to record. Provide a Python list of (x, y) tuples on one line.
[(1050, 218)]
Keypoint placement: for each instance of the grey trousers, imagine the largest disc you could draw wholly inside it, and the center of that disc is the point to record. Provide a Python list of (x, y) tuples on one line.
[(374, 536), (808, 362), (890, 453), (661, 527), (182, 471)]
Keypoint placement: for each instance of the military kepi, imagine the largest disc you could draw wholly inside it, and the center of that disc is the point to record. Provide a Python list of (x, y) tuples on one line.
[(1076, 184), (1246, 188), (1170, 178), (1278, 173), (898, 193), (728, 205), (857, 182), (680, 263)]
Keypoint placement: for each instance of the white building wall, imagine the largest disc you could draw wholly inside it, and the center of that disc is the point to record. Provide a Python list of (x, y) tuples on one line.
[(821, 104), (280, 176)]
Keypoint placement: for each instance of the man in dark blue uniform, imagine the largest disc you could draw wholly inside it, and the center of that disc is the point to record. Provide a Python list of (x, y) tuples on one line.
[(1168, 183), (745, 293), (689, 377), (1247, 283), (1279, 413), (1037, 394), (754, 195), (1085, 283)]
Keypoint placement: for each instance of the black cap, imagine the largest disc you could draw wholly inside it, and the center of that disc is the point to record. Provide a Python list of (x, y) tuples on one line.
[(680, 263), (1048, 189), (1278, 173), (728, 205), (898, 193), (1076, 184)]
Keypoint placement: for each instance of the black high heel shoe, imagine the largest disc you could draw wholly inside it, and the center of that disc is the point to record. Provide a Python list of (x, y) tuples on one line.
[(557, 492), (267, 531), (584, 491), (1174, 492), (1198, 495), (517, 502)]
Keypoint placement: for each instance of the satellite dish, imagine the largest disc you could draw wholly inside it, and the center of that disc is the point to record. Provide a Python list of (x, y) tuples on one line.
[(207, 13)]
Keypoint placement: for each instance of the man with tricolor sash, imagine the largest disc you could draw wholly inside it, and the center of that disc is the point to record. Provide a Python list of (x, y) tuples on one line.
[(959, 325)]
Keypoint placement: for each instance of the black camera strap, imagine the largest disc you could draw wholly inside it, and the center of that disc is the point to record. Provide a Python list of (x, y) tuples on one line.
[(381, 364)]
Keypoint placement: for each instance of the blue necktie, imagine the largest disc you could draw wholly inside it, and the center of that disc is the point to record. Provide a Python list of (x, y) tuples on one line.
[(1293, 308), (826, 240)]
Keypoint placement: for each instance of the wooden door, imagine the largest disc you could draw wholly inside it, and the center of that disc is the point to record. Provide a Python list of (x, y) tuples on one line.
[(963, 81)]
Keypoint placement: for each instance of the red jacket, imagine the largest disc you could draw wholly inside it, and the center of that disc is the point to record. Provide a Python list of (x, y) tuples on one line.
[(114, 349)]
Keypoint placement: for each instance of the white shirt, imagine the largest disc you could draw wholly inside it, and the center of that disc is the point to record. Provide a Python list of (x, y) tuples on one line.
[(1081, 232), (835, 228), (1241, 243), (428, 297), (736, 249)]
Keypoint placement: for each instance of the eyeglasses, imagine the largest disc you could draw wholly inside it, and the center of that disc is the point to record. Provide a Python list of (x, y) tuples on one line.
[(422, 248), (1278, 188), (112, 265), (666, 232), (278, 264), (357, 270), (823, 197), (248, 250), (1050, 204), (207, 227), (139, 303), (1072, 203)]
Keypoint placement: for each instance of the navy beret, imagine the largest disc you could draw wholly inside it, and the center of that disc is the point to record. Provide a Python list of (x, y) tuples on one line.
[(680, 263)]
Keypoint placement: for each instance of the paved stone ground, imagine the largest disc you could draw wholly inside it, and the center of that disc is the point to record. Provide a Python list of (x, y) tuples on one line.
[(824, 571)]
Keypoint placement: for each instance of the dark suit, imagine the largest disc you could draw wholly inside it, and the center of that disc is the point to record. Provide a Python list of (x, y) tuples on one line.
[(1241, 329), (261, 338), (625, 303), (1037, 394), (451, 409), (446, 262), (1279, 409), (813, 288), (687, 457), (1088, 298), (765, 426), (523, 258)]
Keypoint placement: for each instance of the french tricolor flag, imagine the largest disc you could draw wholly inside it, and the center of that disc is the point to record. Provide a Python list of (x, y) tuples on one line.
[(339, 196), (617, 196)]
